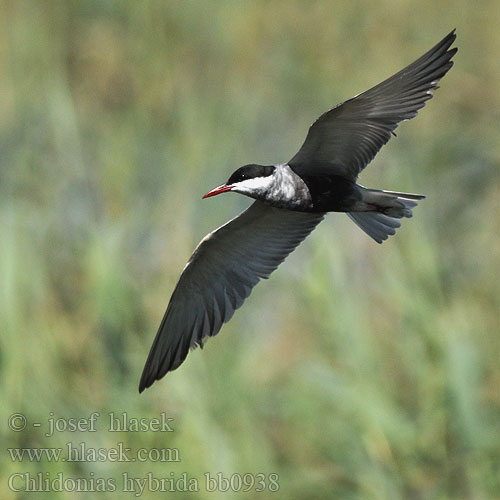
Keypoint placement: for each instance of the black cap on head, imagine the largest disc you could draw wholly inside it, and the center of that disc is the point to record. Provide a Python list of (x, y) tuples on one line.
[(250, 172)]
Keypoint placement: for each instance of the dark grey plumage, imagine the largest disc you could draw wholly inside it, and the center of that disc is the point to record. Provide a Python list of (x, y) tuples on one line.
[(321, 177), (220, 275), (346, 138)]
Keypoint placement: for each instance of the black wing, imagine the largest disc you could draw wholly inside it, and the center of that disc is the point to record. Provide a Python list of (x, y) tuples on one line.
[(346, 138), (220, 275)]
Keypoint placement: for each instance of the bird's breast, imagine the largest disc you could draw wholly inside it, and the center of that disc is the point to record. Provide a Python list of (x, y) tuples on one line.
[(288, 190)]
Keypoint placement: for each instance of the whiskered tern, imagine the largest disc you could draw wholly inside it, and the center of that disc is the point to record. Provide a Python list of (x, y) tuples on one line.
[(291, 200)]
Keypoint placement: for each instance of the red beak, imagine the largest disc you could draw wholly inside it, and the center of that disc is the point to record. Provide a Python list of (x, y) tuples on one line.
[(218, 190)]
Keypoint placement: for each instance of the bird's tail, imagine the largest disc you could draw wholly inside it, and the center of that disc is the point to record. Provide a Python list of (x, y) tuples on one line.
[(381, 211)]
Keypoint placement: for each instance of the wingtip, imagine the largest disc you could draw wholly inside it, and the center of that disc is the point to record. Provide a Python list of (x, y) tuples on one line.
[(154, 371), (451, 36), (447, 42), (142, 386), (146, 380)]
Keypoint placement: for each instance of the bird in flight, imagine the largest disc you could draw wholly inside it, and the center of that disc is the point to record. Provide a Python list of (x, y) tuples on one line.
[(291, 199)]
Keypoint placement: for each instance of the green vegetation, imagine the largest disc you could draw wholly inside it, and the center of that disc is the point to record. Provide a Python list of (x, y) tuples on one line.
[(358, 371)]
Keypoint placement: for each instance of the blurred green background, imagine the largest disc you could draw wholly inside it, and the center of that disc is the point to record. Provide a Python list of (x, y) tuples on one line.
[(358, 371)]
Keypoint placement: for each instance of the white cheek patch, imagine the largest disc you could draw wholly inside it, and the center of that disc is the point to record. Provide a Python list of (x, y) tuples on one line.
[(257, 184)]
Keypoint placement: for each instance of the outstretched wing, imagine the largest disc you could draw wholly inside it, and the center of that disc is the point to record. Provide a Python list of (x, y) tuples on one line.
[(346, 138), (220, 275)]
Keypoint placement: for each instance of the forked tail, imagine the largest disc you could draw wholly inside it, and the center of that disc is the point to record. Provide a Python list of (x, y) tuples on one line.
[(382, 210)]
